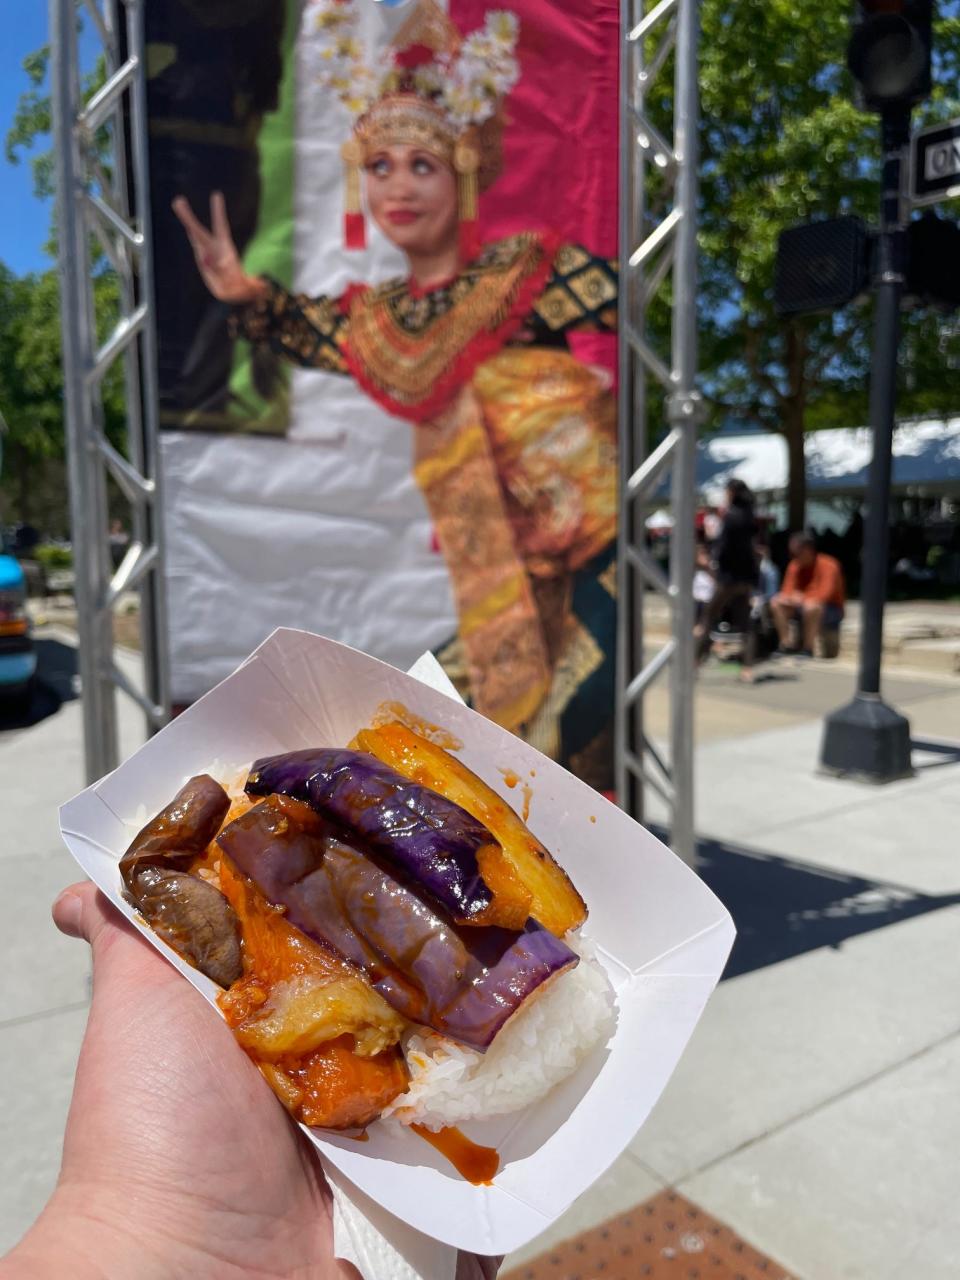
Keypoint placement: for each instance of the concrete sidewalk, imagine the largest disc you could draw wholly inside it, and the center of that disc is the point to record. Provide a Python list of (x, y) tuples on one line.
[(815, 1112), (921, 636), (44, 978)]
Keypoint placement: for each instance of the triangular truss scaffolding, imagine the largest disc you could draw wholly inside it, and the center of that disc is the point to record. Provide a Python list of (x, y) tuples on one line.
[(658, 192), (101, 148), (103, 198)]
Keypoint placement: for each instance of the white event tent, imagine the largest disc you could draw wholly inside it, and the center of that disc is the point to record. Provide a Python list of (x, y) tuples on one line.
[(926, 462)]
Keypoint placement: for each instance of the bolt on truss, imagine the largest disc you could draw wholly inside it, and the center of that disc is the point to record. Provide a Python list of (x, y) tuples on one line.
[(103, 200), (658, 248)]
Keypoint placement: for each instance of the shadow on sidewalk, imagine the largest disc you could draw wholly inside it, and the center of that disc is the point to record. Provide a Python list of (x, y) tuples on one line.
[(942, 753), (54, 685), (783, 908)]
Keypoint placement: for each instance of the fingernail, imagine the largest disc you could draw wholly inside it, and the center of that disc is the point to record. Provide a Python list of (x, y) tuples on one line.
[(66, 913)]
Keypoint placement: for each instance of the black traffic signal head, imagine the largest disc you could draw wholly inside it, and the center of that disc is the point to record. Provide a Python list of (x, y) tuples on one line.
[(889, 52), (821, 265), (933, 263)]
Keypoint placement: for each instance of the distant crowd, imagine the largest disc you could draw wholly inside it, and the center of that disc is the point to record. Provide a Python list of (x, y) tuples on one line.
[(741, 601)]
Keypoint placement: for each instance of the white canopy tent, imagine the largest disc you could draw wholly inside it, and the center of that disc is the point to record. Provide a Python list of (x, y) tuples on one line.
[(926, 461)]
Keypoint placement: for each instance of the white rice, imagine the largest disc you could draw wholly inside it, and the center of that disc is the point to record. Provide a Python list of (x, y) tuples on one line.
[(540, 1046)]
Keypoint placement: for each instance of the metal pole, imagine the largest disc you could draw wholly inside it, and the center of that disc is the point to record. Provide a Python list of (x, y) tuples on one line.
[(867, 739), (109, 197), (632, 418), (883, 399), (876, 524), (684, 413), (89, 541), (153, 599), (657, 237)]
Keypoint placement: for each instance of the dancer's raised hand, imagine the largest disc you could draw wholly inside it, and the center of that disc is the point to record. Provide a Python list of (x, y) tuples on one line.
[(217, 259)]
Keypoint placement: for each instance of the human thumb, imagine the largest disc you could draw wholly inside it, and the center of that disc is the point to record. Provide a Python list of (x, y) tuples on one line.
[(81, 911)]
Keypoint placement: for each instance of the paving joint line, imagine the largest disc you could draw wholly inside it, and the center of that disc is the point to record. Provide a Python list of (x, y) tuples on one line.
[(760, 833), (819, 1106), (43, 1014)]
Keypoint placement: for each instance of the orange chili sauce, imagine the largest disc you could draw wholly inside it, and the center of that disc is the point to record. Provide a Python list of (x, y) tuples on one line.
[(387, 712), (527, 797), (512, 779), (475, 1163)]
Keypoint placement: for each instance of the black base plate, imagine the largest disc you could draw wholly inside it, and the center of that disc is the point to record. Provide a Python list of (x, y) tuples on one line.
[(866, 740)]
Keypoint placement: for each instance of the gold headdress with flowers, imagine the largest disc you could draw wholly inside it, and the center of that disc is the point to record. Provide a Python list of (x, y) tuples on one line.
[(433, 88)]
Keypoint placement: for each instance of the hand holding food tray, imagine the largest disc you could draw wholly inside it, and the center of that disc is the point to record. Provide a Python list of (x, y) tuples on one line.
[(333, 772)]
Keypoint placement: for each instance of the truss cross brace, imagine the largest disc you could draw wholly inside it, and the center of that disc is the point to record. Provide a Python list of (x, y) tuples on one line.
[(102, 191), (658, 192)]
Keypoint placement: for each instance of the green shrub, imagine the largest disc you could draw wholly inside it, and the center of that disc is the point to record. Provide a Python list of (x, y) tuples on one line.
[(53, 557)]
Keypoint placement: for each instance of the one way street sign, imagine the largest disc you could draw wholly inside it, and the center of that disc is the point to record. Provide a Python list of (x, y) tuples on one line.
[(935, 163)]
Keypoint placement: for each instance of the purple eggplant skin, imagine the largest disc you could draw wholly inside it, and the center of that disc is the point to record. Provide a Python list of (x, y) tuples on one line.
[(181, 831), (464, 983), (192, 917), (426, 837)]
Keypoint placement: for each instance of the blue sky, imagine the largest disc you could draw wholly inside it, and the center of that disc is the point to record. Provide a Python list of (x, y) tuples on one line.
[(24, 221)]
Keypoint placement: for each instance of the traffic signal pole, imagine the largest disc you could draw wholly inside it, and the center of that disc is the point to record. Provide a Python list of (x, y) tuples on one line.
[(890, 57), (891, 247), (867, 739)]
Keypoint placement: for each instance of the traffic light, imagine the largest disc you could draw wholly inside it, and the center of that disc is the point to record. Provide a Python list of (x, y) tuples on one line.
[(889, 52), (933, 263), (821, 265)]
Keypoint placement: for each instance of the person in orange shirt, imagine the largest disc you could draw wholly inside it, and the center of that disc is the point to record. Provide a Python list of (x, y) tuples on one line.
[(813, 593)]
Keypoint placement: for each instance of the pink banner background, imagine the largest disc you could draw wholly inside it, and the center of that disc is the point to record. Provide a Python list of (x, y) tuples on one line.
[(561, 150)]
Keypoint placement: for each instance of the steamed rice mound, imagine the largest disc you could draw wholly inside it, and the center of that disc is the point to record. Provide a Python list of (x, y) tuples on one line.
[(541, 1045)]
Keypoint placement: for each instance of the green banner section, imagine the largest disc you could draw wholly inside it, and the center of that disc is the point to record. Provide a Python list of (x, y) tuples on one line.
[(259, 385)]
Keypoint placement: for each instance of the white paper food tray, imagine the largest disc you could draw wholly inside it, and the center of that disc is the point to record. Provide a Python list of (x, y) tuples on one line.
[(662, 936)]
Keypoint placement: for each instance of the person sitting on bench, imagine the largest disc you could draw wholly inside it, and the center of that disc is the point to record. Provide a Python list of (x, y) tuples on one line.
[(813, 594)]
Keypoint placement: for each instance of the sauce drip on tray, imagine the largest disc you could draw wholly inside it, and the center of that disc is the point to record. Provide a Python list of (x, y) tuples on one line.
[(527, 797), (475, 1163)]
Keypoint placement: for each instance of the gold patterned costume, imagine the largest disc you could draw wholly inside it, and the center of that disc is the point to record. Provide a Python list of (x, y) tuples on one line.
[(514, 439), (514, 452)]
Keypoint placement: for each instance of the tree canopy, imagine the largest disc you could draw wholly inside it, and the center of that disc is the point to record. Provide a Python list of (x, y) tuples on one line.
[(781, 142), (31, 373)]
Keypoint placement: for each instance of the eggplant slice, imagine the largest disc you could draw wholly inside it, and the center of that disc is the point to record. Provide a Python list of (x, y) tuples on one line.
[(465, 983), (192, 917), (181, 831), (420, 833)]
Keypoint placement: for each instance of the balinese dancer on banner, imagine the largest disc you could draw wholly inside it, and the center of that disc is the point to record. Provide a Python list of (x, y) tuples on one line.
[(514, 439)]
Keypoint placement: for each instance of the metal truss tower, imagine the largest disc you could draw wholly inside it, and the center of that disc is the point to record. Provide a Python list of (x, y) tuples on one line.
[(658, 247), (103, 200), (101, 148)]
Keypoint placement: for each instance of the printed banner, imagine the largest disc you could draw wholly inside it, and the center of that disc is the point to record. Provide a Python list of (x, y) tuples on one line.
[(387, 354)]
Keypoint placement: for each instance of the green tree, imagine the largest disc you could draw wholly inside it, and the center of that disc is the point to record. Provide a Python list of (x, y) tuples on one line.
[(31, 120), (781, 141), (28, 438), (31, 372), (31, 378)]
